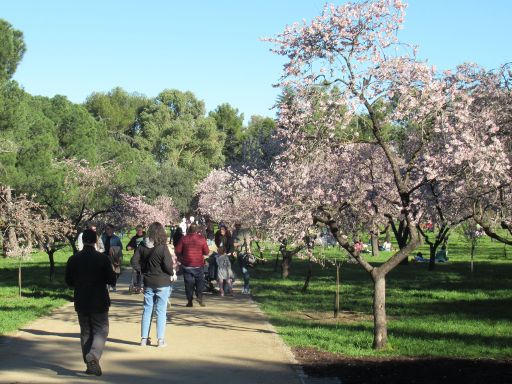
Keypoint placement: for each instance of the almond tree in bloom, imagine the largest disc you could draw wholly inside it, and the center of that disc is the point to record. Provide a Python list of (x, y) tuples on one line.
[(29, 225), (88, 191), (230, 197), (349, 61), (131, 211), (488, 191)]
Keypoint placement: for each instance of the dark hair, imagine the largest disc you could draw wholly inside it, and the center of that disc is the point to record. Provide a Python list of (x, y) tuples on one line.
[(89, 237), (193, 228), (221, 250), (109, 226), (156, 233)]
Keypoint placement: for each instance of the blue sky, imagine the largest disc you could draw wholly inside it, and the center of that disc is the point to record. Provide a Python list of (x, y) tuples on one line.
[(212, 48)]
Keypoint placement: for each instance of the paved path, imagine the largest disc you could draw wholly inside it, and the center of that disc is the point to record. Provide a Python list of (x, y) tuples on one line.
[(228, 341)]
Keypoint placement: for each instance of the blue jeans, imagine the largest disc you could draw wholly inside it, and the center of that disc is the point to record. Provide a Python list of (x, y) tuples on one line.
[(155, 298), (194, 278)]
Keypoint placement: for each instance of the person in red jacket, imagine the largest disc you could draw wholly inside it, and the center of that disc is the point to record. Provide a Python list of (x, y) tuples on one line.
[(191, 250)]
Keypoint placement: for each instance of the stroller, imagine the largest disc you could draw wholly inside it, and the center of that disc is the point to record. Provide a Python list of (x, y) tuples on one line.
[(136, 282)]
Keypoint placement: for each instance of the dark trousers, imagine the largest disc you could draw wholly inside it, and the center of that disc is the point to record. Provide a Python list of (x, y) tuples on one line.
[(93, 334), (193, 277)]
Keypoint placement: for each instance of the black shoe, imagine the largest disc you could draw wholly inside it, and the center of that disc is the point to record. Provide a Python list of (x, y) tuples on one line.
[(93, 368), (189, 304)]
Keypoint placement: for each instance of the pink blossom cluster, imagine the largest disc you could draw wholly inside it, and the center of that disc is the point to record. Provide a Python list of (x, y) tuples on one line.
[(134, 210)]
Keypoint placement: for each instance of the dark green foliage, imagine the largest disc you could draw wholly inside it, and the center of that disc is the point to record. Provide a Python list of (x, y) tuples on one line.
[(259, 147), (118, 110), (12, 48), (230, 122)]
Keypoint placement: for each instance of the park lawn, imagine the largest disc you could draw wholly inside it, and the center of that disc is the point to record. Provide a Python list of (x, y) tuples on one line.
[(448, 312), (39, 294)]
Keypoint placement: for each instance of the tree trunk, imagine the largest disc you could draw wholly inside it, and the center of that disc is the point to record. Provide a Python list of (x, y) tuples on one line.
[(10, 240), (51, 253), (337, 296), (473, 246), (285, 267), (309, 273), (19, 277), (72, 243), (388, 234), (375, 243), (432, 260), (380, 331), (277, 262)]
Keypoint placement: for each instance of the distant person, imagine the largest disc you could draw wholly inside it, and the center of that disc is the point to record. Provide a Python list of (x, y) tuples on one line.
[(183, 225), (133, 244), (419, 258), (442, 255), (89, 272), (242, 248), (155, 262), (191, 250), (225, 274), (136, 239), (113, 250), (99, 244), (223, 238), (210, 234), (176, 237)]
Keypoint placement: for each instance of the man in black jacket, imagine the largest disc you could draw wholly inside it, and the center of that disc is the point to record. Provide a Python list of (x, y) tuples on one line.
[(89, 272)]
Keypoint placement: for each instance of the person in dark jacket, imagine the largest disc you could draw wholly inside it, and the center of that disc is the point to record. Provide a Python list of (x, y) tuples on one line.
[(223, 239), (154, 260), (191, 250), (136, 239), (177, 235), (113, 250), (89, 272)]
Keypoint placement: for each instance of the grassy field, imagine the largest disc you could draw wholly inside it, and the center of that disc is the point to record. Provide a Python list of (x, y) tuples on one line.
[(39, 294), (446, 312)]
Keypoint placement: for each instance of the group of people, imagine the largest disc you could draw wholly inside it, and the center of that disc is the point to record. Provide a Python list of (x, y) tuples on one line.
[(97, 266)]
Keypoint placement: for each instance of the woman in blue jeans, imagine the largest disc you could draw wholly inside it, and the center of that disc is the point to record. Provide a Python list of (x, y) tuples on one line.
[(154, 261)]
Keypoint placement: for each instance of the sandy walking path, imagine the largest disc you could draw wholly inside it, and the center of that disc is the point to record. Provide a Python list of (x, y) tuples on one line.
[(228, 341)]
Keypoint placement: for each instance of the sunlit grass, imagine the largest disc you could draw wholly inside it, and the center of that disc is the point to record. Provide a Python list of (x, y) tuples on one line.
[(39, 294), (446, 312)]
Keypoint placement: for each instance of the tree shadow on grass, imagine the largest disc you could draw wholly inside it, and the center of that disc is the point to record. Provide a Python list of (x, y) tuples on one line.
[(395, 331)]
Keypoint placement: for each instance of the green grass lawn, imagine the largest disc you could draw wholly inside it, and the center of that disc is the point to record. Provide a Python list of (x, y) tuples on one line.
[(39, 294), (446, 312)]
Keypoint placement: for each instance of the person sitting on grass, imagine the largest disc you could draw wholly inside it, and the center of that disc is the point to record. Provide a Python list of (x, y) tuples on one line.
[(419, 258), (224, 272), (441, 255)]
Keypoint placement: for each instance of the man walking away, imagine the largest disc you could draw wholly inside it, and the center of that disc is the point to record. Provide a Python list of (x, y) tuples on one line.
[(89, 272), (191, 250), (113, 250)]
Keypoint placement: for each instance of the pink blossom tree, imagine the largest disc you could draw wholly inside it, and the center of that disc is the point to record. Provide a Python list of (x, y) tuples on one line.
[(131, 211), (349, 61), (88, 191), (28, 224)]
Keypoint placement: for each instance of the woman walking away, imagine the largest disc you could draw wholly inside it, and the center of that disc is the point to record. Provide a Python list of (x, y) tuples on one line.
[(155, 262)]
